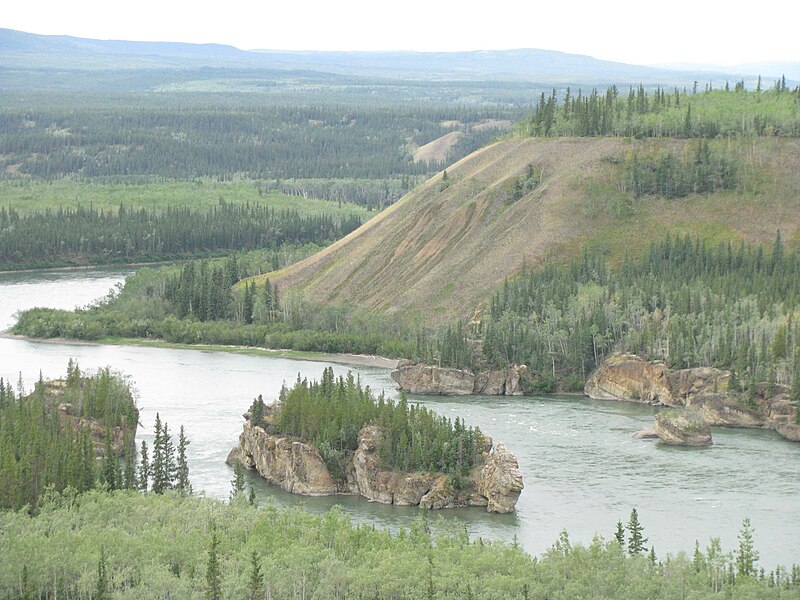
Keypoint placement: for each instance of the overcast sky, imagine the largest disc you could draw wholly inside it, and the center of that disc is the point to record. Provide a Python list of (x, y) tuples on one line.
[(633, 31)]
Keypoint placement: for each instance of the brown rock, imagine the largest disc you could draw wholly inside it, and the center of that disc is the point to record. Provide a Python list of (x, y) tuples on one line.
[(631, 379), (500, 480), (294, 465), (682, 427), (427, 379)]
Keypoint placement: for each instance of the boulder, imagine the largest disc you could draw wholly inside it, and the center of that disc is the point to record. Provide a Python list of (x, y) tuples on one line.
[(646, 434), (791, 431), (682, 427)]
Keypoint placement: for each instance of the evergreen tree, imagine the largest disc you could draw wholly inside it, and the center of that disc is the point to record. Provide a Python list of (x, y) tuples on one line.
[(183, 485), (101, 589), (619, 534), (213, 570), (256, 583), (144, 468), (237, 483), (747, 555), (158, 468), (636, 541)]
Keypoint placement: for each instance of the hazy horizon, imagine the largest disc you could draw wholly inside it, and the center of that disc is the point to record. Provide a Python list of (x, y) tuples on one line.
[(686, 33)]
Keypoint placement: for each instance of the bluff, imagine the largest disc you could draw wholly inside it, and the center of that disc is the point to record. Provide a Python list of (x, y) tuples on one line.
[(442, 250), (298, 467), (705, 390), (418, 378)]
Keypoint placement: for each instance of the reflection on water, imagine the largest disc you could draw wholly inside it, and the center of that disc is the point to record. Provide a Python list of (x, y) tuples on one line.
[(583, 470)]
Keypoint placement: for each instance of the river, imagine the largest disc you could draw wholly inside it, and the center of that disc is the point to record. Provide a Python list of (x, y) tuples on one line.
[(583, 470)]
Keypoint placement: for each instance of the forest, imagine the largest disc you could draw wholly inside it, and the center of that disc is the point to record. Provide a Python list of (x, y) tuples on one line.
[(81, 235), (685, 301), (249, 139), (183, 546), (331, 412)]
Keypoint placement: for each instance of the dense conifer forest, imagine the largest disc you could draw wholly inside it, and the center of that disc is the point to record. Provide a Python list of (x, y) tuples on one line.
[(252, 139), (85, 235), (686, 302), (331, 412)]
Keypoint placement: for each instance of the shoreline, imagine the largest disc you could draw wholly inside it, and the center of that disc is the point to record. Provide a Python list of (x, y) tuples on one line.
[(355, 360), (88, 267)]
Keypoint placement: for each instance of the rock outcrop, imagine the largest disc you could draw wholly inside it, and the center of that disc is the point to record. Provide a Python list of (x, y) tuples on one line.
[(682, 427), (292, 464), (297, 467), (120, 436), (705, 389), (417, 378)]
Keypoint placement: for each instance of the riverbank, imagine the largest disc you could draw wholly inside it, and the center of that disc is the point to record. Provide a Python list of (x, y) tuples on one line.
[(355, 360)]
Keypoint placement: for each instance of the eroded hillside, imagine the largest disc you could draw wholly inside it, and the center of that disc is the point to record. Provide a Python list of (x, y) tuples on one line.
[(439, 252)]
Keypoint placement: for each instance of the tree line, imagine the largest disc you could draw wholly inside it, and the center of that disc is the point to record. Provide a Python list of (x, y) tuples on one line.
[(662, 113), (84, 234)]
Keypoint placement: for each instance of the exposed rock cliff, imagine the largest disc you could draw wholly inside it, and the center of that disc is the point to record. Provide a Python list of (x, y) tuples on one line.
[(632, 379), (297, 467), (292, 464), (682, 427), (445, 381)]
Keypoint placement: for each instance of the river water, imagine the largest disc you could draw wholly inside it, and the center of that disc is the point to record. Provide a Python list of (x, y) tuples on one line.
[(583, 471)]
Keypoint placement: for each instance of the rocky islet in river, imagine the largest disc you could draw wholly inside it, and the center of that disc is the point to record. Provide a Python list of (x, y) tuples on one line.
[(298, 467), (702, 393)]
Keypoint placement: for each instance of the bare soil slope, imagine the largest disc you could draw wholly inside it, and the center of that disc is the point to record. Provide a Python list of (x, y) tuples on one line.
[(440, 252)]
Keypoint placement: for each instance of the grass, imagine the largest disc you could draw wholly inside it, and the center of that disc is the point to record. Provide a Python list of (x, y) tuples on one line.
[(26, 195)]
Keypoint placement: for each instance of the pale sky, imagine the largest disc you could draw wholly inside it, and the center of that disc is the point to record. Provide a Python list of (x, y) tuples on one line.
[(633, 31)]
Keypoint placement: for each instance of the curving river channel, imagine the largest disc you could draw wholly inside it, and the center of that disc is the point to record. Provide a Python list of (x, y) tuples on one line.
[(583, 470)]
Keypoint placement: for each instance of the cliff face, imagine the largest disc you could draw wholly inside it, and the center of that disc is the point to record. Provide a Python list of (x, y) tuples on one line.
[(632, 379), (293, 465), (297, 467), (445, 381)]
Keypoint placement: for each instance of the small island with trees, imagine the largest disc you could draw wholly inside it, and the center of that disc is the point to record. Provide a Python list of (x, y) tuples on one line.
[(334, 436)]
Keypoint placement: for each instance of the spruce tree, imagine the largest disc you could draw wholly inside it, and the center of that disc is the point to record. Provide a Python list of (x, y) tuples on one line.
[(182, 484), (144, 468), (213, 571), (237, 483), (636, 541), (256, 584), (619, 534), (158, 471), (101, 589), (746, 556)]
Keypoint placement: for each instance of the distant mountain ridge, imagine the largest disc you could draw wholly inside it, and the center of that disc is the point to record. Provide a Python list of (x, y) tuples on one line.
[(21, 50)]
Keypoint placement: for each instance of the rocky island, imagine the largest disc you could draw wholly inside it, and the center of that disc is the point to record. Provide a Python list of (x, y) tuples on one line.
[(704, 390), (399, 454)]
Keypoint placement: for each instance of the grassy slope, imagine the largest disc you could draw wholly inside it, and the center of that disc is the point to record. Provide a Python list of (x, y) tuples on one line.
[(437, 254), (31, 195)]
